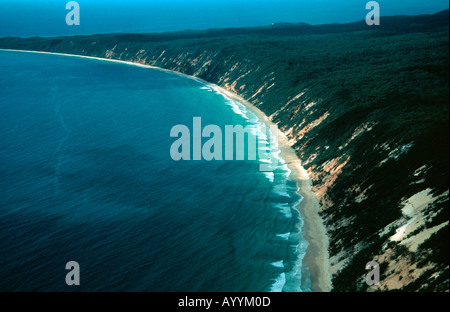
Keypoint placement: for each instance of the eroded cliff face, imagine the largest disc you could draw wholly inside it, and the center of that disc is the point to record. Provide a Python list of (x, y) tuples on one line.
[(371, 132)]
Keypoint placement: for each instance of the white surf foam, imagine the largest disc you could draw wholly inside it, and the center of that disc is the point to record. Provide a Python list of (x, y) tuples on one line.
[(279, 283)]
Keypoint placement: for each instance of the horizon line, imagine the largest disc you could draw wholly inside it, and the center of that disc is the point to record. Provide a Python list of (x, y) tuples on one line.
[(221, 28)]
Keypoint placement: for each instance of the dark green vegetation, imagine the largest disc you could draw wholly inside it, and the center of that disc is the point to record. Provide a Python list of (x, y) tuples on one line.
[(383, 95)]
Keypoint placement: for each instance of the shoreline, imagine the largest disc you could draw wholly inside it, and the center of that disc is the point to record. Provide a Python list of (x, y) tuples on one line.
[(314, 231), (316, 257)]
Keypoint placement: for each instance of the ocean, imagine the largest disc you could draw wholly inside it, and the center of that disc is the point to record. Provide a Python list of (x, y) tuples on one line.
[(87, 176), (47, 18)]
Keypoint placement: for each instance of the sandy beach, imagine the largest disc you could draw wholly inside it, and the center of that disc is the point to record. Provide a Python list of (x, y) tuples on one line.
[(316, 258)]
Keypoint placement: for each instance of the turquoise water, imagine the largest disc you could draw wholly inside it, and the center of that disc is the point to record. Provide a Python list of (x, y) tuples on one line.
[(86, 175)]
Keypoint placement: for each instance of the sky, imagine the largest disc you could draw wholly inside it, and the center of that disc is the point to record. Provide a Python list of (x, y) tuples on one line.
[(26, 18)]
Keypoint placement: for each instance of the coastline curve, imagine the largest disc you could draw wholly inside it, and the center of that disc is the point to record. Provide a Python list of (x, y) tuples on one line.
[(314, 231)]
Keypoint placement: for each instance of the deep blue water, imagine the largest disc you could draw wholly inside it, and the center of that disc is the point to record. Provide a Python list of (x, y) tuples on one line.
[(86, 175)]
